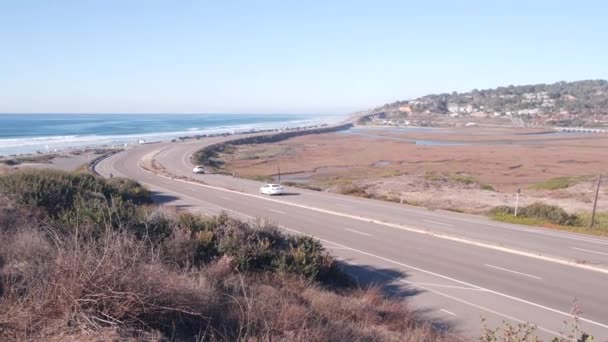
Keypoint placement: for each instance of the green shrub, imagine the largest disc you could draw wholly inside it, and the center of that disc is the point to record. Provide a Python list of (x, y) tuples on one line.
[(510, 218), (196, 223), (487, 187), (540, 212), (464, 179), (261, 178), (83, 202), (57, 191), (559, 183), (128, 189), (600, 222), (252, 249), (302, 186), (92, 208), (305, 256), (501, 210), (551, 213), (353, 190), (432, 176)]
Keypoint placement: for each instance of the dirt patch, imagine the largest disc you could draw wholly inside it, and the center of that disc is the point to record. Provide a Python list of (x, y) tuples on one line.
[(66, 161), (483, 170)]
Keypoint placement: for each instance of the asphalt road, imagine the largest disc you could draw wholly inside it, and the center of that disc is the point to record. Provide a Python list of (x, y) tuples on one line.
[(454, 268)]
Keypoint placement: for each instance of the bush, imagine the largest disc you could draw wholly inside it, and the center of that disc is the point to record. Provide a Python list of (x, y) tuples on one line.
[(304, 255), (83, 202), (57, 191), (540, 212), (179, 276), (462, 178), (501, 210), (209, 278), (353, 190), (551, 213), (558, 183), (487, 187), (128, 190), (302, 186)]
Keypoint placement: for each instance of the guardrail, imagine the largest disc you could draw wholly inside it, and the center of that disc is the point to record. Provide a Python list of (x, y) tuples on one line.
[(96, 161), (581, 129)]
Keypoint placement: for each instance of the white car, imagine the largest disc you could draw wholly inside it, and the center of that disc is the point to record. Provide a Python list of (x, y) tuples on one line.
[(271, 189), (198, 169)]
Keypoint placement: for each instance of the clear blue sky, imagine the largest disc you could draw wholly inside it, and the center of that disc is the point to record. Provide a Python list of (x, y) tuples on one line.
[(284, 56)]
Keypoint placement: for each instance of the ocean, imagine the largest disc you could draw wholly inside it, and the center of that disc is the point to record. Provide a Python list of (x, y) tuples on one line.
[(31, 133)]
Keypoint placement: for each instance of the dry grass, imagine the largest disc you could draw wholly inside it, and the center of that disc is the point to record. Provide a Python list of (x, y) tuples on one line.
[(120, 288), (560, 183), (215, 279)]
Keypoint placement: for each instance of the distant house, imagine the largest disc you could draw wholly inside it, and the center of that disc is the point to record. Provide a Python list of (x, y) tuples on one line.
[(405, 109), (533, 111), (455, 108)]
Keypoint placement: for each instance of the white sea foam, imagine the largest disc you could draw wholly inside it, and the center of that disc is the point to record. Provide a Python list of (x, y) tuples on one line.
[(10, 146)]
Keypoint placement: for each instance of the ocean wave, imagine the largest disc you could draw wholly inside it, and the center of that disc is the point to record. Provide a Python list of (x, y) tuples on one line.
[(10, 146)]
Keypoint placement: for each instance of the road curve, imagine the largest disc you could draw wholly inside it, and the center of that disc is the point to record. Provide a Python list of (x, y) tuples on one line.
[(453, 267)]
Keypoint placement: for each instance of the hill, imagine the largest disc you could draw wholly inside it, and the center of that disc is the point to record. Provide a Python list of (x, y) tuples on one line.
[(580, 103), (88, 259)]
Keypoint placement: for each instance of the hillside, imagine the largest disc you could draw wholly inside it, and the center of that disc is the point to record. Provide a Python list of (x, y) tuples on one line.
[(88, 259), (581, 103)]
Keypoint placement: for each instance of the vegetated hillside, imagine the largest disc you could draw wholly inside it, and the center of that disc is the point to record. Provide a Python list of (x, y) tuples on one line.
[(88, 259), (83, 258), (581, 103)]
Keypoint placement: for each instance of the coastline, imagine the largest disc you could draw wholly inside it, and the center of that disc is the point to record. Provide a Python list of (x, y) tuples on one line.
[(106, 130), (94, 152)]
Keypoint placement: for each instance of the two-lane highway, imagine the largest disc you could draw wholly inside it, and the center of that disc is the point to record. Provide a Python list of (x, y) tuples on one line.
[(580, 249), (465, 266)]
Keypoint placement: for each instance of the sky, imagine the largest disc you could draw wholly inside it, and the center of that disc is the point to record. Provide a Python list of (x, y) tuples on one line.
[(129, 56)]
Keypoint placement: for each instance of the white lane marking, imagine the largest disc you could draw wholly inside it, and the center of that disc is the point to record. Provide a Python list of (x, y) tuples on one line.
[(589, 251), (201, 201), (447, 312), (439, 235), (441, 223), (418, 211), (531, 230), (277, 211), (500, 294), (511, 271), (483, 308), (357, 232), (448, 286)]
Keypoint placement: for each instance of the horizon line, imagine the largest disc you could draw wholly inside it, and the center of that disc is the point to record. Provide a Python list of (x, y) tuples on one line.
[(163, 113)]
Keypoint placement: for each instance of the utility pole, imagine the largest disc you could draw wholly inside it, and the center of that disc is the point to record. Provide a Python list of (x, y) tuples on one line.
[(597, 191), (517, 201), (279, 172)]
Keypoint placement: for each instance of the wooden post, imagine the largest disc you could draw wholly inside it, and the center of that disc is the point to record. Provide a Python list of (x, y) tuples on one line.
[(517, 201), (597, 191), (279, 172)]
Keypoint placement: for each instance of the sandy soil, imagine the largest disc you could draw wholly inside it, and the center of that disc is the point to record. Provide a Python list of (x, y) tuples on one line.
[(67, 161), (453, 168)]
